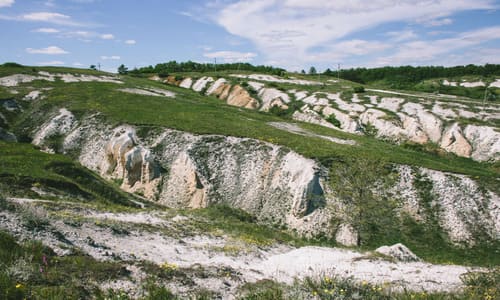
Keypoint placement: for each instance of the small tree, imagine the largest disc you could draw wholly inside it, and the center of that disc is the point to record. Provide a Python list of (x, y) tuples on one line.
[(362, 185), (303, 72), (312, 71), (93, 67), (122, 70)]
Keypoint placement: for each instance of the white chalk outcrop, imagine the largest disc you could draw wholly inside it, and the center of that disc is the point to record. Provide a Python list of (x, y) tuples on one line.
[(60, 124), (275, 184)]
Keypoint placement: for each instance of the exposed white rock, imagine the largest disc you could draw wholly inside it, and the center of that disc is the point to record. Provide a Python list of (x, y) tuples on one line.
[(271, 78), (186, 83), (495, 83), (184, 187), (256, 85), (310, 116), (413, 129), (454, 141), (300, 94), (148, 92), (14, 80), (201, 83), (468, 114), (33, 95), (446, 113), (449, 83), (472, 84), (351, 108), (127, 160), (85, 78), (346, 122), (464, 209), (391, 104), (485, 142), (346, 235), (315, 100), (218, 83), (431, 124), (273, 97), (399, 252), (294, 128), (61, 124), (385, 128), (355, 98)]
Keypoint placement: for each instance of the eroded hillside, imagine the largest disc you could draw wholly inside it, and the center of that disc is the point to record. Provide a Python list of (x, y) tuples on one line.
[(359, 179)]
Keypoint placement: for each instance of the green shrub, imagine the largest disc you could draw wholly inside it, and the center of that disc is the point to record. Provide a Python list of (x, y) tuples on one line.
[(333, 120)]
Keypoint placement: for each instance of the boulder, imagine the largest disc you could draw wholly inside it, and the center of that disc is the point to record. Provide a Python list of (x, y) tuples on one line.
[(399, 252)]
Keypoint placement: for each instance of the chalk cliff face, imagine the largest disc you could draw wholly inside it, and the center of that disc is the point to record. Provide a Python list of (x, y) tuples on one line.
[(275, 184), (397, 119)]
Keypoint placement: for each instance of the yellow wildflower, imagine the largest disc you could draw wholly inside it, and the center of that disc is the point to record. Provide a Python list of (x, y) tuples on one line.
[(19, 285)]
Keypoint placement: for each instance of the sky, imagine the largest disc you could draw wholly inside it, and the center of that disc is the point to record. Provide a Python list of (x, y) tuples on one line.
[(292, 34)]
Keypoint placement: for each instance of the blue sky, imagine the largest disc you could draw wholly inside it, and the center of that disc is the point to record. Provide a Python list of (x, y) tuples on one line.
[(294, 34)]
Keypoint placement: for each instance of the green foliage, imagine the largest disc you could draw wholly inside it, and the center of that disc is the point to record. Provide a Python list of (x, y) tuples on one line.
[(484, 284), (278, 111), (359, 89), (33, 271), (22, 167), (361, 185), (332, 119), (343, 288), (189, 66), (312, 71), (122, 70), (262, 290)]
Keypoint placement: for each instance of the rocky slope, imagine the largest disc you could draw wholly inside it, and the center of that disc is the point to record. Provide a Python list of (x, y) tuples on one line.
[(183, 170), (457, 126)]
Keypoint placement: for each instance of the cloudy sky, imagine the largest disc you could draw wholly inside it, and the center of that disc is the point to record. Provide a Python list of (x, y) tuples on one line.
[(294, 34)]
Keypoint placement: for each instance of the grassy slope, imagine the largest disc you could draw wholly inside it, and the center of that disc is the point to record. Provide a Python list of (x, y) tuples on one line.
[(23, 167), (192, 112)]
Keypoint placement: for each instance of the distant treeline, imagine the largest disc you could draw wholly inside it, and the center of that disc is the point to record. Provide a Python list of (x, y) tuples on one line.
[(164, 69), (408, 75)]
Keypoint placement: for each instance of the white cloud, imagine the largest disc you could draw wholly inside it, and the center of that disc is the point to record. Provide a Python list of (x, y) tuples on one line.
[(51, 50), (51, 63), (440, 22), (285, 30), (48, 17), (77, 64), (107, 36), (403, 35), (47, 30), (112, 57), (6, 3), (130, 42), (434, 51), (231, 56)]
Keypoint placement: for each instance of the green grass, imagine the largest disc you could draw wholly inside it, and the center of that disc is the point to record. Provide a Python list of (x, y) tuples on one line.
[(33, 271), (23, 167), (195, 113)]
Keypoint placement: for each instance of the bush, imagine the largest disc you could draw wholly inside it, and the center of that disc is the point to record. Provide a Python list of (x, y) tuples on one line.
[(333, 120), (359, 89)]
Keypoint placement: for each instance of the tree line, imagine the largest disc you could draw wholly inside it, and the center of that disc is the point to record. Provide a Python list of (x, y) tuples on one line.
[(408, 75), (164, 69)]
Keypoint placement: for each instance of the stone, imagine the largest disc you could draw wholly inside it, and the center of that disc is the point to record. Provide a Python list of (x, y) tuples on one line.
[(399, 252)]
